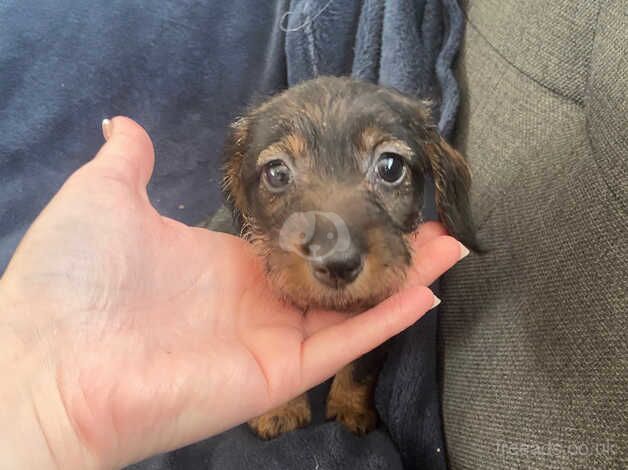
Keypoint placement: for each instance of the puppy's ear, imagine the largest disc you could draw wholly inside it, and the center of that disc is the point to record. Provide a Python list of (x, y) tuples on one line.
[(234, 155), (449, 170), (452, 181)]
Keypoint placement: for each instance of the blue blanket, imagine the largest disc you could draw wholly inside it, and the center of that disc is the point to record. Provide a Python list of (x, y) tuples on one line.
[(184, 69)]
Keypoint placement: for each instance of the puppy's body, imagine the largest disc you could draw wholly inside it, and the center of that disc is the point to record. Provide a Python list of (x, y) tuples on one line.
[(326, 180)]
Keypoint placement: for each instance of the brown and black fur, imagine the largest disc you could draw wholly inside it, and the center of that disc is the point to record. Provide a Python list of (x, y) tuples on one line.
[(330, 132)]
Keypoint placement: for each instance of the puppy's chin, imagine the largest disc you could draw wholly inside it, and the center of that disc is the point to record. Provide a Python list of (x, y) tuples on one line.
[(295, 283)]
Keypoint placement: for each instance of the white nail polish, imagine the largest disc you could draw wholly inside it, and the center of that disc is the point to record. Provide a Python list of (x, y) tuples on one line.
[(106, 128), (464, 252), (436, 302)]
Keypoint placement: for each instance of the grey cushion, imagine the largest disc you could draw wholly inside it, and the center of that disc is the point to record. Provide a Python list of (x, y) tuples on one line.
[(533, 333)]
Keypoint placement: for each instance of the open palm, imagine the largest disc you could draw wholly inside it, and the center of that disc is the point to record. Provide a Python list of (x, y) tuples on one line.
[(157, 334)]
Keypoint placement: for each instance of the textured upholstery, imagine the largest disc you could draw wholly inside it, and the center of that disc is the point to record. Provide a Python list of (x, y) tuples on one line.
[(533, 355)]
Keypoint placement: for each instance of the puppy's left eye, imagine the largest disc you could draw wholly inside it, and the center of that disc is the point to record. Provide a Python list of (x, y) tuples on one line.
[(391, 167), (277, 175)]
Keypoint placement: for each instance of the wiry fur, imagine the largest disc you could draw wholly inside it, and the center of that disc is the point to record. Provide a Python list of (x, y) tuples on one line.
[(331, 129), (330, 126)]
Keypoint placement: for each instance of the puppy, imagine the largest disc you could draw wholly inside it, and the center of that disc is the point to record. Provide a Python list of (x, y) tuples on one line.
[(326, 180)]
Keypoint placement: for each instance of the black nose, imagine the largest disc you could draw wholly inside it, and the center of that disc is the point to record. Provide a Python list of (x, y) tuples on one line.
[(338, 269)]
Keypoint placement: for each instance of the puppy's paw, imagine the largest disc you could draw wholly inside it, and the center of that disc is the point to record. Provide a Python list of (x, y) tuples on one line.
[(350, 401), (293, 415), (359, 420)]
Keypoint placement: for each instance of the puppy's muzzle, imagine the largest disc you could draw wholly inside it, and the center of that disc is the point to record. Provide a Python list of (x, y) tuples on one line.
[(340, 257), (339, 268), (335, 255)]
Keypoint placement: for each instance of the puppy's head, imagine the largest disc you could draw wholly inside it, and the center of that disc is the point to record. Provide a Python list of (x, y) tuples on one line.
[(326, 179)]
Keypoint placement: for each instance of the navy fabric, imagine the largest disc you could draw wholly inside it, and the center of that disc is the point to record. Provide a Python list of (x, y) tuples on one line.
[(181, 68), (184, 69), (409, 45)]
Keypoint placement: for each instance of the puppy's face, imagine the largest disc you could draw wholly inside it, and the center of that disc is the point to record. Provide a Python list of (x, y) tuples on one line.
[(327, 181)]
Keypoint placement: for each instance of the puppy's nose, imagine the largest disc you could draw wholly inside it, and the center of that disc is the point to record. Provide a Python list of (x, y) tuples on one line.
[(338, 269)]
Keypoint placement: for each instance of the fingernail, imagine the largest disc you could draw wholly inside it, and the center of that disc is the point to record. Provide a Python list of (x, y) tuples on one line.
[(436, 302), (464, 252), (107, 128)]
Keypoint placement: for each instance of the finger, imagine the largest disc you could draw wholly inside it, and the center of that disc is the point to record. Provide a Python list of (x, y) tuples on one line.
[(316, 320), (426, 232), (325, 352), (433, 255), (432, 259), (128, 152)]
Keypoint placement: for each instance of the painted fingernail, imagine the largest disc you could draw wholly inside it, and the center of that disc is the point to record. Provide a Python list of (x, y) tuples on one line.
[(107, 128), (464, 252), (436, 302)]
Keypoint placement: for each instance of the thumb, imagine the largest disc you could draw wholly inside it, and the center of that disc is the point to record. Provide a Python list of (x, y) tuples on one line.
[(128, 153)]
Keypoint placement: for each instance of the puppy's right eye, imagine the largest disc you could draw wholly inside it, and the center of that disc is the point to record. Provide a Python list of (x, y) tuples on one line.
[(391, 168), (277, 175)]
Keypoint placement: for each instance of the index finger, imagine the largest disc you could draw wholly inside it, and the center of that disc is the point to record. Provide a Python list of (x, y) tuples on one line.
[(329, 349), (431, 259)]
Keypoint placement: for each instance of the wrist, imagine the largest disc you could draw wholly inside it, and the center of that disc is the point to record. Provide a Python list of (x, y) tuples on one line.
[(23, 444), (35, 431)]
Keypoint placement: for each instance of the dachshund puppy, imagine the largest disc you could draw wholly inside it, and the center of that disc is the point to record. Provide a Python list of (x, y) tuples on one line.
[(326, 180)]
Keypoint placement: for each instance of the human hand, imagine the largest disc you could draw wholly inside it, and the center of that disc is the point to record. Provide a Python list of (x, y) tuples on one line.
[(124, 333)]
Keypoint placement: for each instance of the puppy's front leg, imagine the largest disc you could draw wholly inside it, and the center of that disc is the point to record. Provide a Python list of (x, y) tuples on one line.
[(350, 400), (294, 414)]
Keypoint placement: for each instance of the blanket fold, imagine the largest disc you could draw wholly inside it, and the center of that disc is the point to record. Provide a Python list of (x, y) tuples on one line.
[(184, 70)]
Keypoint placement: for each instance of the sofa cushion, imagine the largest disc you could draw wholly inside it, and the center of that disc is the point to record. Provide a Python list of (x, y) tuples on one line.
[(533, 333), (549, 41)]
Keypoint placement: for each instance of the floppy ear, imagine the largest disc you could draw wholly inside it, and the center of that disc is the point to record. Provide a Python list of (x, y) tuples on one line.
[(452, 182), (234, 155)]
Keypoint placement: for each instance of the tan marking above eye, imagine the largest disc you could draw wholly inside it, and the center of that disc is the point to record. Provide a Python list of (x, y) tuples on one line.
[(371, 139), (295, 145), (394, 146), (374, 141), (292, 145), (274, 152)]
